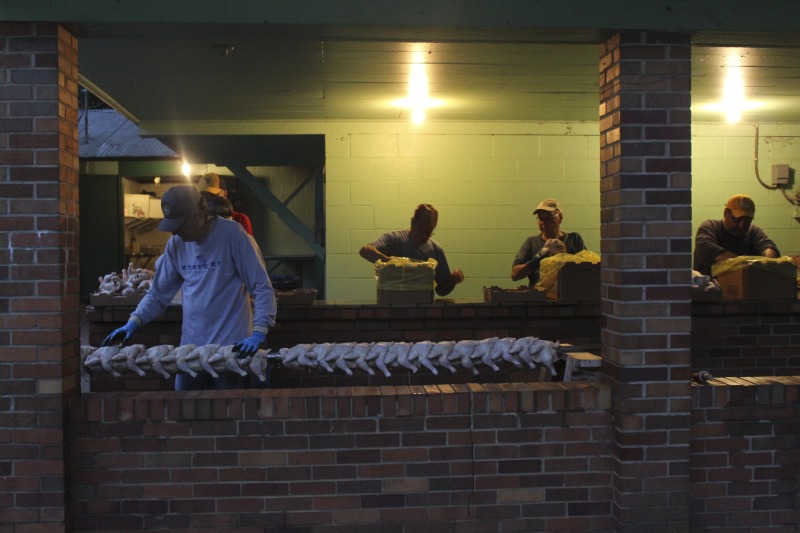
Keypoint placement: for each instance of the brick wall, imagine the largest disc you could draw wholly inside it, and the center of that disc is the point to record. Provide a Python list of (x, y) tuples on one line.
[(645, 187), (512, 457), (39, 307), (576, 323), (492, 457), (728, 338), (746, 338), (745, 466)]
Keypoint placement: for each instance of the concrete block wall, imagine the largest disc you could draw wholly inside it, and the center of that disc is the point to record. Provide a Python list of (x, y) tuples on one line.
[(484, 179), (723, 165), (484, 183)]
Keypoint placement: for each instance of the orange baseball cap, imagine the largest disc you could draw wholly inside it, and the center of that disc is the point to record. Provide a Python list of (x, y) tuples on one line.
[(741, 205)]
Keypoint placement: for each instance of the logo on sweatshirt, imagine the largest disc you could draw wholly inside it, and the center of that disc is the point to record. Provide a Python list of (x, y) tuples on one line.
[(200, 264)]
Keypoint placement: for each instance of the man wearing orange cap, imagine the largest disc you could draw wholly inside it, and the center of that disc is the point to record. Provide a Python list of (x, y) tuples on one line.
[(211, 183), (733, 236)]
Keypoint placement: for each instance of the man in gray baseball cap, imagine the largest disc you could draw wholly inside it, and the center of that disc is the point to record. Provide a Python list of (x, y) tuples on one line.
[(219, 269), (177, 204)]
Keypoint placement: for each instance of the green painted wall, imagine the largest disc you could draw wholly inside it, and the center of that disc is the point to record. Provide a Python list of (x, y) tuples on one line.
[(485, 180), (723, 164)]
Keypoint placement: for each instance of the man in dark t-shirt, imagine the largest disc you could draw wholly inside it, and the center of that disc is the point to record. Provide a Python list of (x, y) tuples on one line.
[(550, 240), (733, 236)]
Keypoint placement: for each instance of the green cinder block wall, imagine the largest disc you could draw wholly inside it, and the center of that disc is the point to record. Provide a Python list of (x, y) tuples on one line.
[(485, 180), (723, 164)]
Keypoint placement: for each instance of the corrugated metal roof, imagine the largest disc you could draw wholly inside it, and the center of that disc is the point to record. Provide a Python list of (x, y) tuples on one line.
[(113, 136)]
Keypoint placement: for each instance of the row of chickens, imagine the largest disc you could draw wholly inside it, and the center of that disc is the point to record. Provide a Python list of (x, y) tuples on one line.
[(347, 356), (469, 354), (128, 281), (166, 360)]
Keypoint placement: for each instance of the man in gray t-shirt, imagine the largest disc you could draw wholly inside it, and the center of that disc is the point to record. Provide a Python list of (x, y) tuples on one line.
[(416, 243)]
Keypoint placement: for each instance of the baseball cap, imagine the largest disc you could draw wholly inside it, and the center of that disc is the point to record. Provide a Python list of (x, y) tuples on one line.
[(209, 182), (741, 205), (176, 204), (548, 205)]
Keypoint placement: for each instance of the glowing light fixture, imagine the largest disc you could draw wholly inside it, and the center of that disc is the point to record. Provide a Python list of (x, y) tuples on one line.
[(733, 95), (418, 100), (733, 102), (186, 169)]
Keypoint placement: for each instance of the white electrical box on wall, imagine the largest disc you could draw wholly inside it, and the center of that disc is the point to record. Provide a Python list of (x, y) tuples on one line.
[(781, 175)]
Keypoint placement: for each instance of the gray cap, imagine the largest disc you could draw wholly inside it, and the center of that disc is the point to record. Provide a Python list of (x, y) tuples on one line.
[(178, 203)]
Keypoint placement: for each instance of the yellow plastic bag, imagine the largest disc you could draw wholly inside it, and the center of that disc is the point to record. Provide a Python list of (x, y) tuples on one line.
[(404, 274), (774, 265), (549, 267)]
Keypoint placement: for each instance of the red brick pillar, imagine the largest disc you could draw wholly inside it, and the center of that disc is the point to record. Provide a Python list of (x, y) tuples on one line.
[(39, 305), (646, 242)]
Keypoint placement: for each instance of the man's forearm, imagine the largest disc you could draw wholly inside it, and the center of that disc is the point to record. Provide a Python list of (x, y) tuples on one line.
[(372, 254)]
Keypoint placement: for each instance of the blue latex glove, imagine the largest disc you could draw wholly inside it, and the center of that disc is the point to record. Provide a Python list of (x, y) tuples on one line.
[(121, 335), (251, 344)]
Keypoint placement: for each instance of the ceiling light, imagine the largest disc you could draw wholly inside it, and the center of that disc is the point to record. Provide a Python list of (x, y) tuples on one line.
[(418, 100), (733, 102), (186, 169)]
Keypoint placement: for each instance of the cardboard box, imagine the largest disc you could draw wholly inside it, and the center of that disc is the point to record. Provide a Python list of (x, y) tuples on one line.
[(773, 281), (403, 274), (521, 294), (386, 297), (576, 281), (405, 281), (296, 297)]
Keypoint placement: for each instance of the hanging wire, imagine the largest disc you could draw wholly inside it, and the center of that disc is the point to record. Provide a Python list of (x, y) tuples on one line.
[(792, 200)]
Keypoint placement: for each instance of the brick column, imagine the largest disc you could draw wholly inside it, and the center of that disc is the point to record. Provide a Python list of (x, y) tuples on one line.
[(646, 241), (39, 301)]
